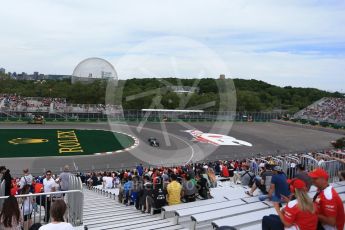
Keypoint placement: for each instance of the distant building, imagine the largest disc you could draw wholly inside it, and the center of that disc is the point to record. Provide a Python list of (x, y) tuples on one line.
[(184, 89), (2, 70), (106, 75), (35, 76), (56, 77), (222, 77)]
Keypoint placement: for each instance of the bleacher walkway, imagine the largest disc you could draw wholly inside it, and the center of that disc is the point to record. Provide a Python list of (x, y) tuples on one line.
[(229, 207), (102, 212)]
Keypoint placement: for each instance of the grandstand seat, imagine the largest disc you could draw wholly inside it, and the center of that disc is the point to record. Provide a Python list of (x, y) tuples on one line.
[(205, 208), (226, 212), (173, 208), (243, 219)]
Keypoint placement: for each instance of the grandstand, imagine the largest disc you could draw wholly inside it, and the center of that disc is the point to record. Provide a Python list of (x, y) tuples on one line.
[(99, 207), (330, 110)]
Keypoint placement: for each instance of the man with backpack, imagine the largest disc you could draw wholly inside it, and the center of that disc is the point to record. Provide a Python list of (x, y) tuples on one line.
[(26, 180), (247, 177)]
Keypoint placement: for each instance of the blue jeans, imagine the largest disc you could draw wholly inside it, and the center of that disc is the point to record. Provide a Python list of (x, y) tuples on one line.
[(272, 222), (274, 198)]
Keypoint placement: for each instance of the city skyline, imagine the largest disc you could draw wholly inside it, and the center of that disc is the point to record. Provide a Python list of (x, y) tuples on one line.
[(283, 43)]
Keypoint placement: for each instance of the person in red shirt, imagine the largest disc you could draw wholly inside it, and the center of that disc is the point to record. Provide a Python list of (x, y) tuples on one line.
[(225, 171), (300, 213), (14, 188), (330, 206), (38, 187)]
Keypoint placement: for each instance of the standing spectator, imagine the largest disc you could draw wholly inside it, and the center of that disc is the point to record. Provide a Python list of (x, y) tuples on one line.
[(279, 186), (26, 179), (174, 191), (127, 187), (303, 175), (64, 178), (300, 213), (27, 206), (57, 212), (331, 208), (140, 169), (48, 186), (6, 176), (10, 218)]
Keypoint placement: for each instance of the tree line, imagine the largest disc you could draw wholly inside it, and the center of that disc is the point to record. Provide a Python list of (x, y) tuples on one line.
[(251, 95)]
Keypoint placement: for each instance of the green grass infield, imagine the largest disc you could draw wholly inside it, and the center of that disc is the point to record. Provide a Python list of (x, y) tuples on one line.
[(60, 142)]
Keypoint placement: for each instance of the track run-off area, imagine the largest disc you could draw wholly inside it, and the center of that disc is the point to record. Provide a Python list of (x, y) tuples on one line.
[(121, 145)]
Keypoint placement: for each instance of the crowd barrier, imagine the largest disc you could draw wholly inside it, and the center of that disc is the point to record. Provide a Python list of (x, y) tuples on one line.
[(138, 116), (73, 198)]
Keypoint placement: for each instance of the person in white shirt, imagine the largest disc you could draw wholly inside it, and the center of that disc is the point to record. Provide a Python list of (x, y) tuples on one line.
[(49, 185), (107, 181), (57, 212)]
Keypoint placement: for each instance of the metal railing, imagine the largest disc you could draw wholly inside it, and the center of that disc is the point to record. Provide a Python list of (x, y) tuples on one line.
[(39, 203), (138, 115)]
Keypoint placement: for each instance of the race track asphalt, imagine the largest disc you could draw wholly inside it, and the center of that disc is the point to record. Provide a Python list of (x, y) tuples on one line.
[(177, 146)]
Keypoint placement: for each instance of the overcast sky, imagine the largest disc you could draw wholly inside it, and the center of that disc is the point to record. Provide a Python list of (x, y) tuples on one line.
[(298, 43)]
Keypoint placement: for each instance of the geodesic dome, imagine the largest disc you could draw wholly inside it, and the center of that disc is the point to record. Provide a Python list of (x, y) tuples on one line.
[(93, 68)]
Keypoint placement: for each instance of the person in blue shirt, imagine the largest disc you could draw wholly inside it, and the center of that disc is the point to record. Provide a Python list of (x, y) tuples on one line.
[(279, 186), (140, 170), (127, 188)]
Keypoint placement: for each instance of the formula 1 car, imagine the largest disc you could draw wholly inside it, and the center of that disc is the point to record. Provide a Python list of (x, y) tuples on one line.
[(153, 142), (37, 119)]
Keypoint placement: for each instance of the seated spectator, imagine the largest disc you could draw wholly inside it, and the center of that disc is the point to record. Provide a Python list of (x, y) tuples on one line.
[(202, 186), (10, 216), (107, 181), (262, 181), (330, 206), (279, 186), (57, 211), (144, 192), (212, 178), (303, 175), (92, 181), (174, 191), (189, 189), (157, 199), (341, 175), (246, 177), (225, 171), (300, 213)]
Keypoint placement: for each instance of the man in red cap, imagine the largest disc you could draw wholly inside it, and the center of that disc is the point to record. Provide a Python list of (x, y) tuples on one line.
[(331, 208)]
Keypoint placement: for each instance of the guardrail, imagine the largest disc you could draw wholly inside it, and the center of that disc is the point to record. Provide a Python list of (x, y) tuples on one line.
[(40, 202), (138, 115)]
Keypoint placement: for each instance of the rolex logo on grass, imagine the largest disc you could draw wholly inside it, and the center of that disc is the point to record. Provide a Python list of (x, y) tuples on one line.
[(22, 141), (61, 142)]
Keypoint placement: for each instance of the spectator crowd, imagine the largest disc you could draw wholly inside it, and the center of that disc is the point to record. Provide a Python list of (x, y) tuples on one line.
[(328, 109), (150, 188)]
